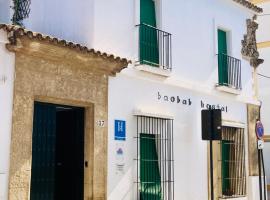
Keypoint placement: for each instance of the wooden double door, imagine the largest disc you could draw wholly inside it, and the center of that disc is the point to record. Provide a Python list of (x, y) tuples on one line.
[(57, 153)]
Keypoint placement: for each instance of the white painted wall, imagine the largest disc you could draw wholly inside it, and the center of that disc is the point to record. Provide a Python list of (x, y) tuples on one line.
[(67, 19), (264, 83), (193, 25), (266, 152), (263, 33), (190, 152), (7, 63), (110, 26), (264, 88)]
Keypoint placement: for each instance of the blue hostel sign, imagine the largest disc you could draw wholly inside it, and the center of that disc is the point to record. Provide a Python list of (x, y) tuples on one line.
[(119, 130)]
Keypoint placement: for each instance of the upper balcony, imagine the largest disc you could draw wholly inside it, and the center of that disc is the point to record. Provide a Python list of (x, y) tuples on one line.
[(155, 47), (229, 72)]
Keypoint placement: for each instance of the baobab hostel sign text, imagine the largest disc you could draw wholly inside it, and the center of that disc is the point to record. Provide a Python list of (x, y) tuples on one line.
[(188, 101)]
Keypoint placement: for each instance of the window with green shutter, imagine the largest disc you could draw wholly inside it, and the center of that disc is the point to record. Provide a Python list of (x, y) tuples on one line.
[(155, 164), (233, 171), (229, 68), (149, 169), (149, 48), (222, 58)]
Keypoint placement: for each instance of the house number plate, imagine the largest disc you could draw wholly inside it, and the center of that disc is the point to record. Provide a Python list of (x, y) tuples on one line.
[(101, 123)]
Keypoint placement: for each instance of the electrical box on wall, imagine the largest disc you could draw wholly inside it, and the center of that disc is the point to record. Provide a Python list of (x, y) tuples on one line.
[(211, 124)]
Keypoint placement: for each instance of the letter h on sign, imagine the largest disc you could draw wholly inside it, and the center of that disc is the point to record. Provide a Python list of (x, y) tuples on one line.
[(119, 130)]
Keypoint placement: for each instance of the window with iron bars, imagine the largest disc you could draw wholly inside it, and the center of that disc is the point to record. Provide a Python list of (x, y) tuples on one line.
[(233, 171), (155, 163)]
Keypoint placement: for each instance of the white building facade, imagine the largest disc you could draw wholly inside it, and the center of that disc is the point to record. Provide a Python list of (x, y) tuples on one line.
[(263, 40), (186, 56)]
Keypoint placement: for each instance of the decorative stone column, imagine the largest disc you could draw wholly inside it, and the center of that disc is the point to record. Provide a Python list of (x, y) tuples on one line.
[(250, 52)]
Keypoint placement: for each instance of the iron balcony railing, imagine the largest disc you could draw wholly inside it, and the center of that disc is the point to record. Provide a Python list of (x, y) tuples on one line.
[(155, 47), (229, 71)]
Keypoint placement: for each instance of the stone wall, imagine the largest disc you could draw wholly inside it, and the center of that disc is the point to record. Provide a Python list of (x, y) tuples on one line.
[(39, 78), (253, 115)]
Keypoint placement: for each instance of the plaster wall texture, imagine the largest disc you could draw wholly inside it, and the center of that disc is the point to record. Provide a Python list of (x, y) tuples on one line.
[(66, 19), (267, 161), (264, 85), (263, 33), (253, 183), (7, 65)]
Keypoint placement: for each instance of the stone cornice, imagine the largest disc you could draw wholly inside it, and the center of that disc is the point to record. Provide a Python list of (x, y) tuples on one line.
[(249, 5), (37, 44)]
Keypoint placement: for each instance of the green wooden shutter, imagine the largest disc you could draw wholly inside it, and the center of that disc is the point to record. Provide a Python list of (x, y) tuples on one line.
[(225, 145), (148, 12), (149, 52), (222, 58), (149, 169)]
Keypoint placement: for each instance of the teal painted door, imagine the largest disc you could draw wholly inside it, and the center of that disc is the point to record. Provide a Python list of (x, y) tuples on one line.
[(150, 186), (222, 58), (43, 152), (57, 153), (149, 51)]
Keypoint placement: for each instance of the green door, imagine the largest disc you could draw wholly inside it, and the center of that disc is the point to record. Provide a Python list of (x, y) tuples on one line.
[(149, 53), (43, 156), (222, 58), (57, 153), (225, 149), (150, 187)]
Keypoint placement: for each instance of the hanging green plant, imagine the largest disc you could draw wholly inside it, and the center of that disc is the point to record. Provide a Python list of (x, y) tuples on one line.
[(21, 10)]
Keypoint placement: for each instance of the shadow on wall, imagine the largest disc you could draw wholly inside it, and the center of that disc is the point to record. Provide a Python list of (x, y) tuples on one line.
[(124, 184)]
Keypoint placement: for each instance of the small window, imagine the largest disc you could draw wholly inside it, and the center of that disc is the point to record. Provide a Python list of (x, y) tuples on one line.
[(154, 44), (233, 171), (155, 171), (149, 50), (222, 58), (229, 68)]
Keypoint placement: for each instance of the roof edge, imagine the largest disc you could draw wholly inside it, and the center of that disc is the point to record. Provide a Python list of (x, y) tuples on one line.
[(15, 31), (249, 5)]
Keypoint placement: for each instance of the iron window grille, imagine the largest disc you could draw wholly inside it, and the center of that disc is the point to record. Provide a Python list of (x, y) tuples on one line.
[(155, 47), (229, 71), (233, 170), (155, 163)]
